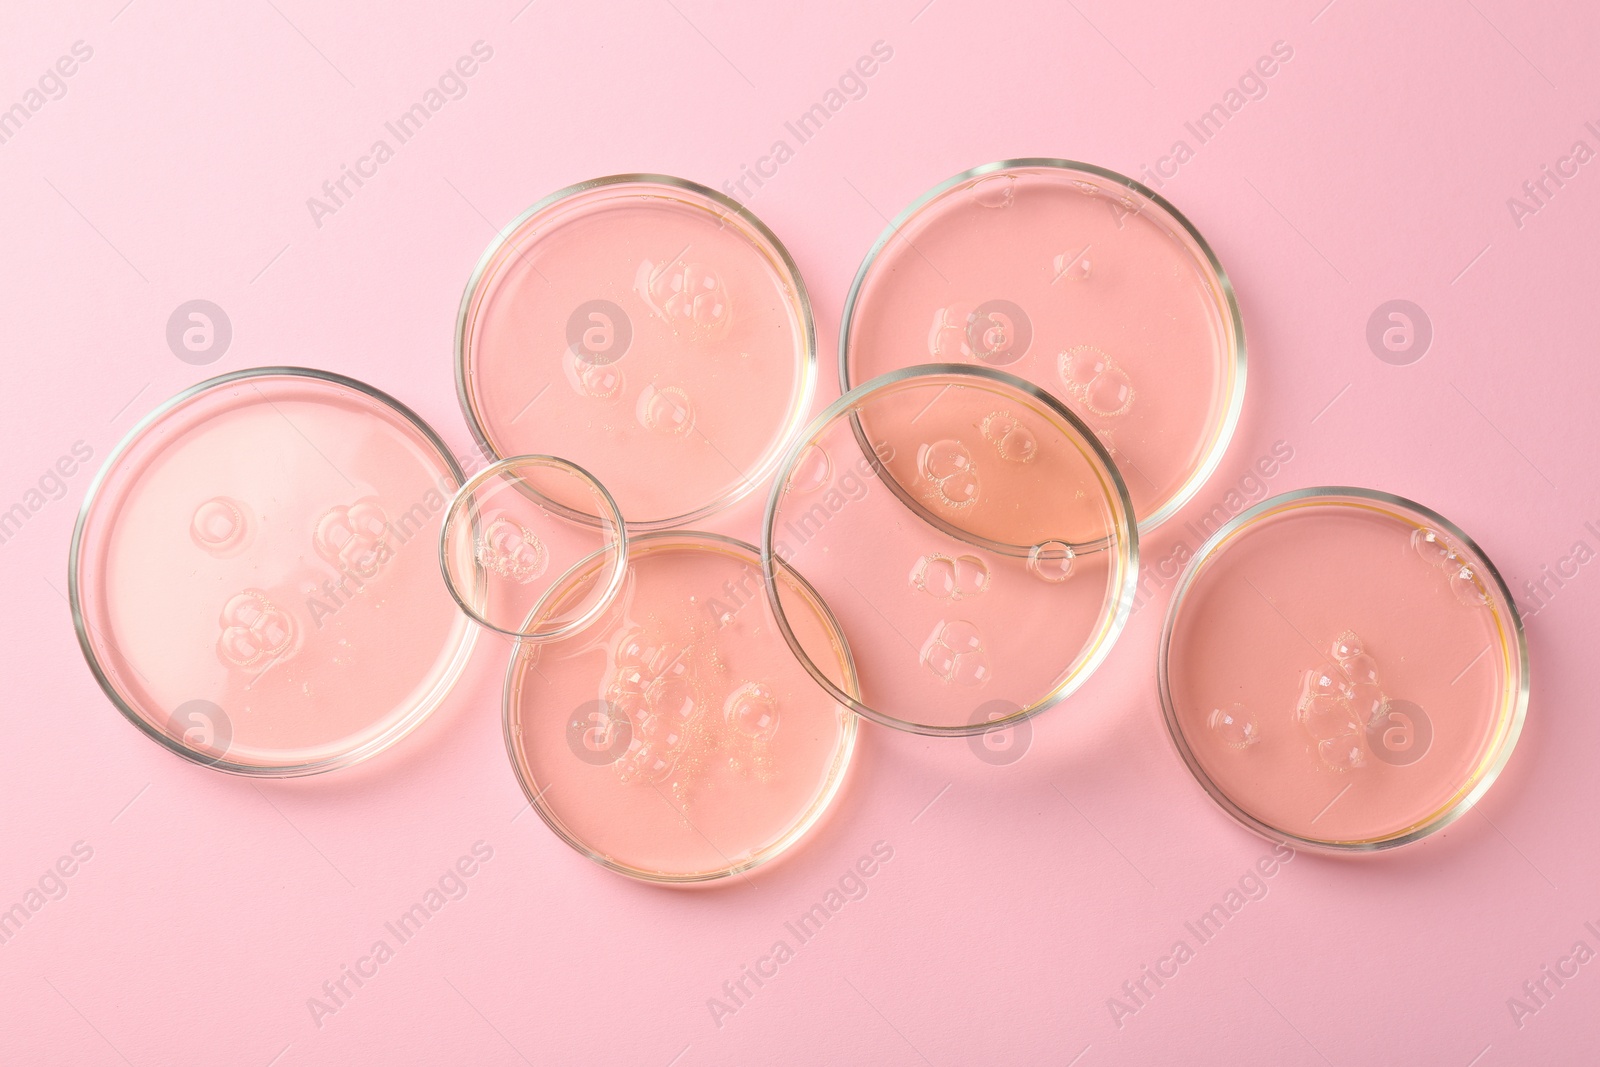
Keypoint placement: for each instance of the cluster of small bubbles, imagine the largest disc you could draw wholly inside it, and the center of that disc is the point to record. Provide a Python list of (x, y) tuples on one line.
[(947, 339), (1463, 577), (752, 710), (354, 538), (1094, 379), (1014, 441), (1343, 707), (590, 379), (996, 190), (255, 631), (649, 683), (219, 526), (689, 296), (1073, 266), (1051, 561), (1086, 188), (950, 577), (954, 652), (665, 409), (1234, 726), (811, 469), (948, 466), (510, 550)]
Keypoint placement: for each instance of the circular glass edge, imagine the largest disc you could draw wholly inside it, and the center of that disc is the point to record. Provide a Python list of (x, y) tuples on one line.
[(1235, 321), (844, 753), (620, 547), (1105, 641), (80, 625), (1441, 819), (802, 296)]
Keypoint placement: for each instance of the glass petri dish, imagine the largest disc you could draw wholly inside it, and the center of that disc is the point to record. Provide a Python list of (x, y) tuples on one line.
[(514, 529), (972, 538), (1083, 282), (677, 740), (648, 329), (1343, 670), (253, 575)]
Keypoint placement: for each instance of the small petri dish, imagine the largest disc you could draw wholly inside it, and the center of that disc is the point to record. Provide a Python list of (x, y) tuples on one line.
[(972, 538), (648, 329), (1343, 670), (1083, 282), (514, 529), (676, 739), (254, 577)]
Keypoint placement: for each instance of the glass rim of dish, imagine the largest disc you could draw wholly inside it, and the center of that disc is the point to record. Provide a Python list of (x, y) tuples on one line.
[(842, 758), (1233, 321), (1104, 641), (81, 625), (1514, 643), (806, 338), (463, 499)]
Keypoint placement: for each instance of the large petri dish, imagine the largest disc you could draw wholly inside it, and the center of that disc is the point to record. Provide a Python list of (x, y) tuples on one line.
[(254, 575), (676, 739), (1085, 283), (1343, 669), (970, 535), (648, 329)]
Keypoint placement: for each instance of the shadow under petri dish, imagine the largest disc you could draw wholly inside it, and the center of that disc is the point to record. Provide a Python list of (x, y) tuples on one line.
[(677, 739), (1344, 669), (647, 329), (1080, 281), (255, 574)]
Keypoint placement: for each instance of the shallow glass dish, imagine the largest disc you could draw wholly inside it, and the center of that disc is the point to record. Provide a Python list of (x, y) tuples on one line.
[(648, 329), (1085, 283), (1343, 670), (254, 575)]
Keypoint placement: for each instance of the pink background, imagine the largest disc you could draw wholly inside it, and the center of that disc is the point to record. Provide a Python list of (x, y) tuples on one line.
[(1019, 898)]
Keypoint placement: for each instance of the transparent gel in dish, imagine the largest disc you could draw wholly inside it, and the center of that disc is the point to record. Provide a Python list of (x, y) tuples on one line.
[(676, 739), (1081, 281), (255, 579), (1343, 669), (514, 529), (649, 330), (971, 537)]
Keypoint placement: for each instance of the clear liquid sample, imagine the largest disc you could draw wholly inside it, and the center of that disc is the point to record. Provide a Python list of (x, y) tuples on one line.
[(1080, 284), (257, 573), (648, 331), (1332, 681), (677, 738)]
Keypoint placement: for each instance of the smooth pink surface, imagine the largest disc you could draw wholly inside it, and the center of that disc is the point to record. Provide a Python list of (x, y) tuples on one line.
[(1018, 898)]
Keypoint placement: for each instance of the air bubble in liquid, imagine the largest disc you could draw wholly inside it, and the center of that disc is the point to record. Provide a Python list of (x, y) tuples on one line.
[(1344, 753), (1051, 561), (1070, 267), (511, 550), (1081, 365), (1234, 726), (594, 381), (644, 761), (218, 525), (665, 410), (1347, 647), (995, 191), (1327, 680), (1360, 670), (672, 698), (1468, 589), (1325, 716), (1111, 393), (1014, 441), (753, 711), (947, 339), (955, 653), (1366, 702), (942, 459), (811, 470), (1432, 547), (689, 296)]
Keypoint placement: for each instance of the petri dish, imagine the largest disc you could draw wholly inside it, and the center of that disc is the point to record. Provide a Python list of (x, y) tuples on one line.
[(1085, 283), (514, 529), (972, 538), (676, 739), (649, 329), (1343, 669), (254, 577)]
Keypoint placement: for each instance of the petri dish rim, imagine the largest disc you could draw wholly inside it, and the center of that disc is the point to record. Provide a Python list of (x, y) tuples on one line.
[(799, 405), (80, 625), (463, 498), (1235, 321), (1312, 496), (1106, 640), (820, 805)]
